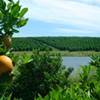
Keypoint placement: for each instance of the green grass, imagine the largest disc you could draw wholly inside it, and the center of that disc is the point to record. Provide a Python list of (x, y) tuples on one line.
[(79, 53), (64, 53)]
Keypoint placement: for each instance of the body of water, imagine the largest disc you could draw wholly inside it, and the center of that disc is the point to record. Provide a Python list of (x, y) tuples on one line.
[(75, 62)]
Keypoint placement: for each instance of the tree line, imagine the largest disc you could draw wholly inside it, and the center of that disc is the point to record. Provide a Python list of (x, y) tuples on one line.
[(60, 43)]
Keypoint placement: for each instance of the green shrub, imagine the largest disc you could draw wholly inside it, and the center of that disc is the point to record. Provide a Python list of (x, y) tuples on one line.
[(87, 87), (72, 93), (38, 76), (42, 77)]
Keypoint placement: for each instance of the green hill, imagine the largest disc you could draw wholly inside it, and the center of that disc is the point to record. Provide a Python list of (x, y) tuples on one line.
[(60, 43)]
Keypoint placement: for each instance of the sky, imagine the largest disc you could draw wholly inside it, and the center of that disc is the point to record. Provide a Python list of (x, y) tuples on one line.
[(61, 18)]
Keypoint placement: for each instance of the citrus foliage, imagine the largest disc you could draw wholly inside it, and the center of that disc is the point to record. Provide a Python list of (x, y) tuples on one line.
[(38, 75), (87, 88), (72, 43), (28, 44), (11, 17), (42, 77), (60, 43)]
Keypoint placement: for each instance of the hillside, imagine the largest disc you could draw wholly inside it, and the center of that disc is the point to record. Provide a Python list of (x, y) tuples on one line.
[(59, 43)]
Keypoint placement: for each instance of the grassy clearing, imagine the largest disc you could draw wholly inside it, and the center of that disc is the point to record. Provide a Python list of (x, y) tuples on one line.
[(64, 53), (79, 53)]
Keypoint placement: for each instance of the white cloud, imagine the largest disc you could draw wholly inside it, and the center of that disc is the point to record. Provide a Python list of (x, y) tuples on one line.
[(89, 2), (79, 13), (82, 31)]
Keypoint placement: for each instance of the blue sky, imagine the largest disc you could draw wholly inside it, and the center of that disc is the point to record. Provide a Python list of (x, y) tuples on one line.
[(61, 18)]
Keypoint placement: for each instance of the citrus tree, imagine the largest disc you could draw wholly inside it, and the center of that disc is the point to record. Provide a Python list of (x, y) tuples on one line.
[(11, 18)]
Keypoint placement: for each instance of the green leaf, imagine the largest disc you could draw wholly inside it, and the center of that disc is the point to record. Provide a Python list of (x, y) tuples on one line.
[(9, 5), (1, 15), (15, 9), (1, 4), (22, 22), (9, 98), (23, 11), (4, 5), (15, 31), (10, 0)]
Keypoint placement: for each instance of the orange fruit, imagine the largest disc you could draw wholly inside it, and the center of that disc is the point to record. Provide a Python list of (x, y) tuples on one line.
[(6, 64)]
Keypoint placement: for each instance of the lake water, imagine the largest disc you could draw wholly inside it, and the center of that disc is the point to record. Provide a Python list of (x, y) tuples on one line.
[(75, 62)]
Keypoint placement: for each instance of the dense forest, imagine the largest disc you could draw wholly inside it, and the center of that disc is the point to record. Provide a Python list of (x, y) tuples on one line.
[(59, 43), (28, 44)]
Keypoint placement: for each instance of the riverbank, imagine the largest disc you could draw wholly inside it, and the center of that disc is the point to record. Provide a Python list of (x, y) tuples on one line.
[(79, 53), (66, 53)]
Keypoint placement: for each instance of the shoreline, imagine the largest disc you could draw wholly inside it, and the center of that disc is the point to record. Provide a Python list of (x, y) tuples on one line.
[(64, 53)]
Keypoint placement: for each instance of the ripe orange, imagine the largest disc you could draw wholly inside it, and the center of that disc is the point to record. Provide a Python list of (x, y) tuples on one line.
[(6, 64)]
